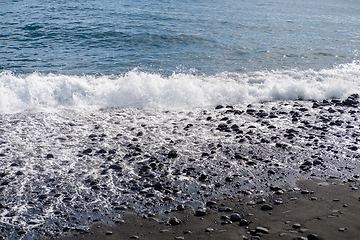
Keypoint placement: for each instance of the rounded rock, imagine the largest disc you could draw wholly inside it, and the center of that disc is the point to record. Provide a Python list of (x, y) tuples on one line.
[(209, 229), (297, 225), (235, 217), (312, 236), (266, 207), (244, 222), (262, 230), (200, 212), (174, 221)]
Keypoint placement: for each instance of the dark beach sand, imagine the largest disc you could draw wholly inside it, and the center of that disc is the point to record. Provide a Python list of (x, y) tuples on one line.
[(330, 210), (132, 170)]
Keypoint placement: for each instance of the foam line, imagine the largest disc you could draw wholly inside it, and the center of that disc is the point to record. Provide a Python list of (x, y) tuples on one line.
[(136, 89)]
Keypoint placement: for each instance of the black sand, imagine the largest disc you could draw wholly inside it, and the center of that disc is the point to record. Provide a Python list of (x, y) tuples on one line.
[(329, 211)]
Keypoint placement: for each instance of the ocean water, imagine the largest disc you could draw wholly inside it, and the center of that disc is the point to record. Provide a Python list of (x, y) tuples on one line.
[(175, 54), (93, 93)]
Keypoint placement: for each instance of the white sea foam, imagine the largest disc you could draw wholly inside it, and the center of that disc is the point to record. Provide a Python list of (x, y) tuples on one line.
[(137, 89)]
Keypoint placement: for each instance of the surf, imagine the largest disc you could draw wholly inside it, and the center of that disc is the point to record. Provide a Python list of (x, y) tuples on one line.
[(148, 90)]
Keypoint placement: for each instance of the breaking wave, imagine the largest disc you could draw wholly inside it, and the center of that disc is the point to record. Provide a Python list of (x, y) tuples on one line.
[(137, 89)]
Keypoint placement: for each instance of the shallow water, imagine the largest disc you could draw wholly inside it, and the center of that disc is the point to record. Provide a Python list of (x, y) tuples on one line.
[(60, 169)]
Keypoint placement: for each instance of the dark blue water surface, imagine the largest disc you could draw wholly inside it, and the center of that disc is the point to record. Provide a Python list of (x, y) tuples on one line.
[(166, 36)]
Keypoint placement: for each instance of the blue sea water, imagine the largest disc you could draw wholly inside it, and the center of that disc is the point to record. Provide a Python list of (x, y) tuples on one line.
[(61, 46)]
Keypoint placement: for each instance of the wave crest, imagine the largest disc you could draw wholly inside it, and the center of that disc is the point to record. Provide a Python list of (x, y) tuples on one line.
[(136, 89)]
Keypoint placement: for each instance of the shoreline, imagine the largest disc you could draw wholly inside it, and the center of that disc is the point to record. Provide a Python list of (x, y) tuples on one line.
[(315, 209), (72, 169)]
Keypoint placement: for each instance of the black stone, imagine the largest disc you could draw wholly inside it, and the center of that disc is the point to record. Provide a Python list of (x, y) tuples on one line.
[(200, 212), (172, 154), (87, 151), (180, 207), (244, 222), (174, 221), (235, 217), (266, 207), (116, 167)]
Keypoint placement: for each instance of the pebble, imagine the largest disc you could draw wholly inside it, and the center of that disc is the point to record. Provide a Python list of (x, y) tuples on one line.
[(82, 228), (174, 221), (305, 192), (244, 222), (209, 229), (262, 230), (342, 229), (180, 207), (134, 237), (312, 236), (226, 222), (109, 233), (179, 238), (200, 212), (172, 154), (235, 217), (266, 207), (210, 203), (296, 225)]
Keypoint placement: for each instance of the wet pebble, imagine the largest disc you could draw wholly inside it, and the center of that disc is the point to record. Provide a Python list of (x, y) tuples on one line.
[(312, 236), (226, 222), (224, 209), (174, 221), (180, 207), (244, 222), (211, 203), (172, 154), (179, 238), (235, 217), (262, 230), (200, 212), (82, 228), (296, 225), (266, 207)]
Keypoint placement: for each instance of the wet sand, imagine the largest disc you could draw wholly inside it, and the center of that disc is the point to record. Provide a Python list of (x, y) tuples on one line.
[(84, 169), (315, 209)]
